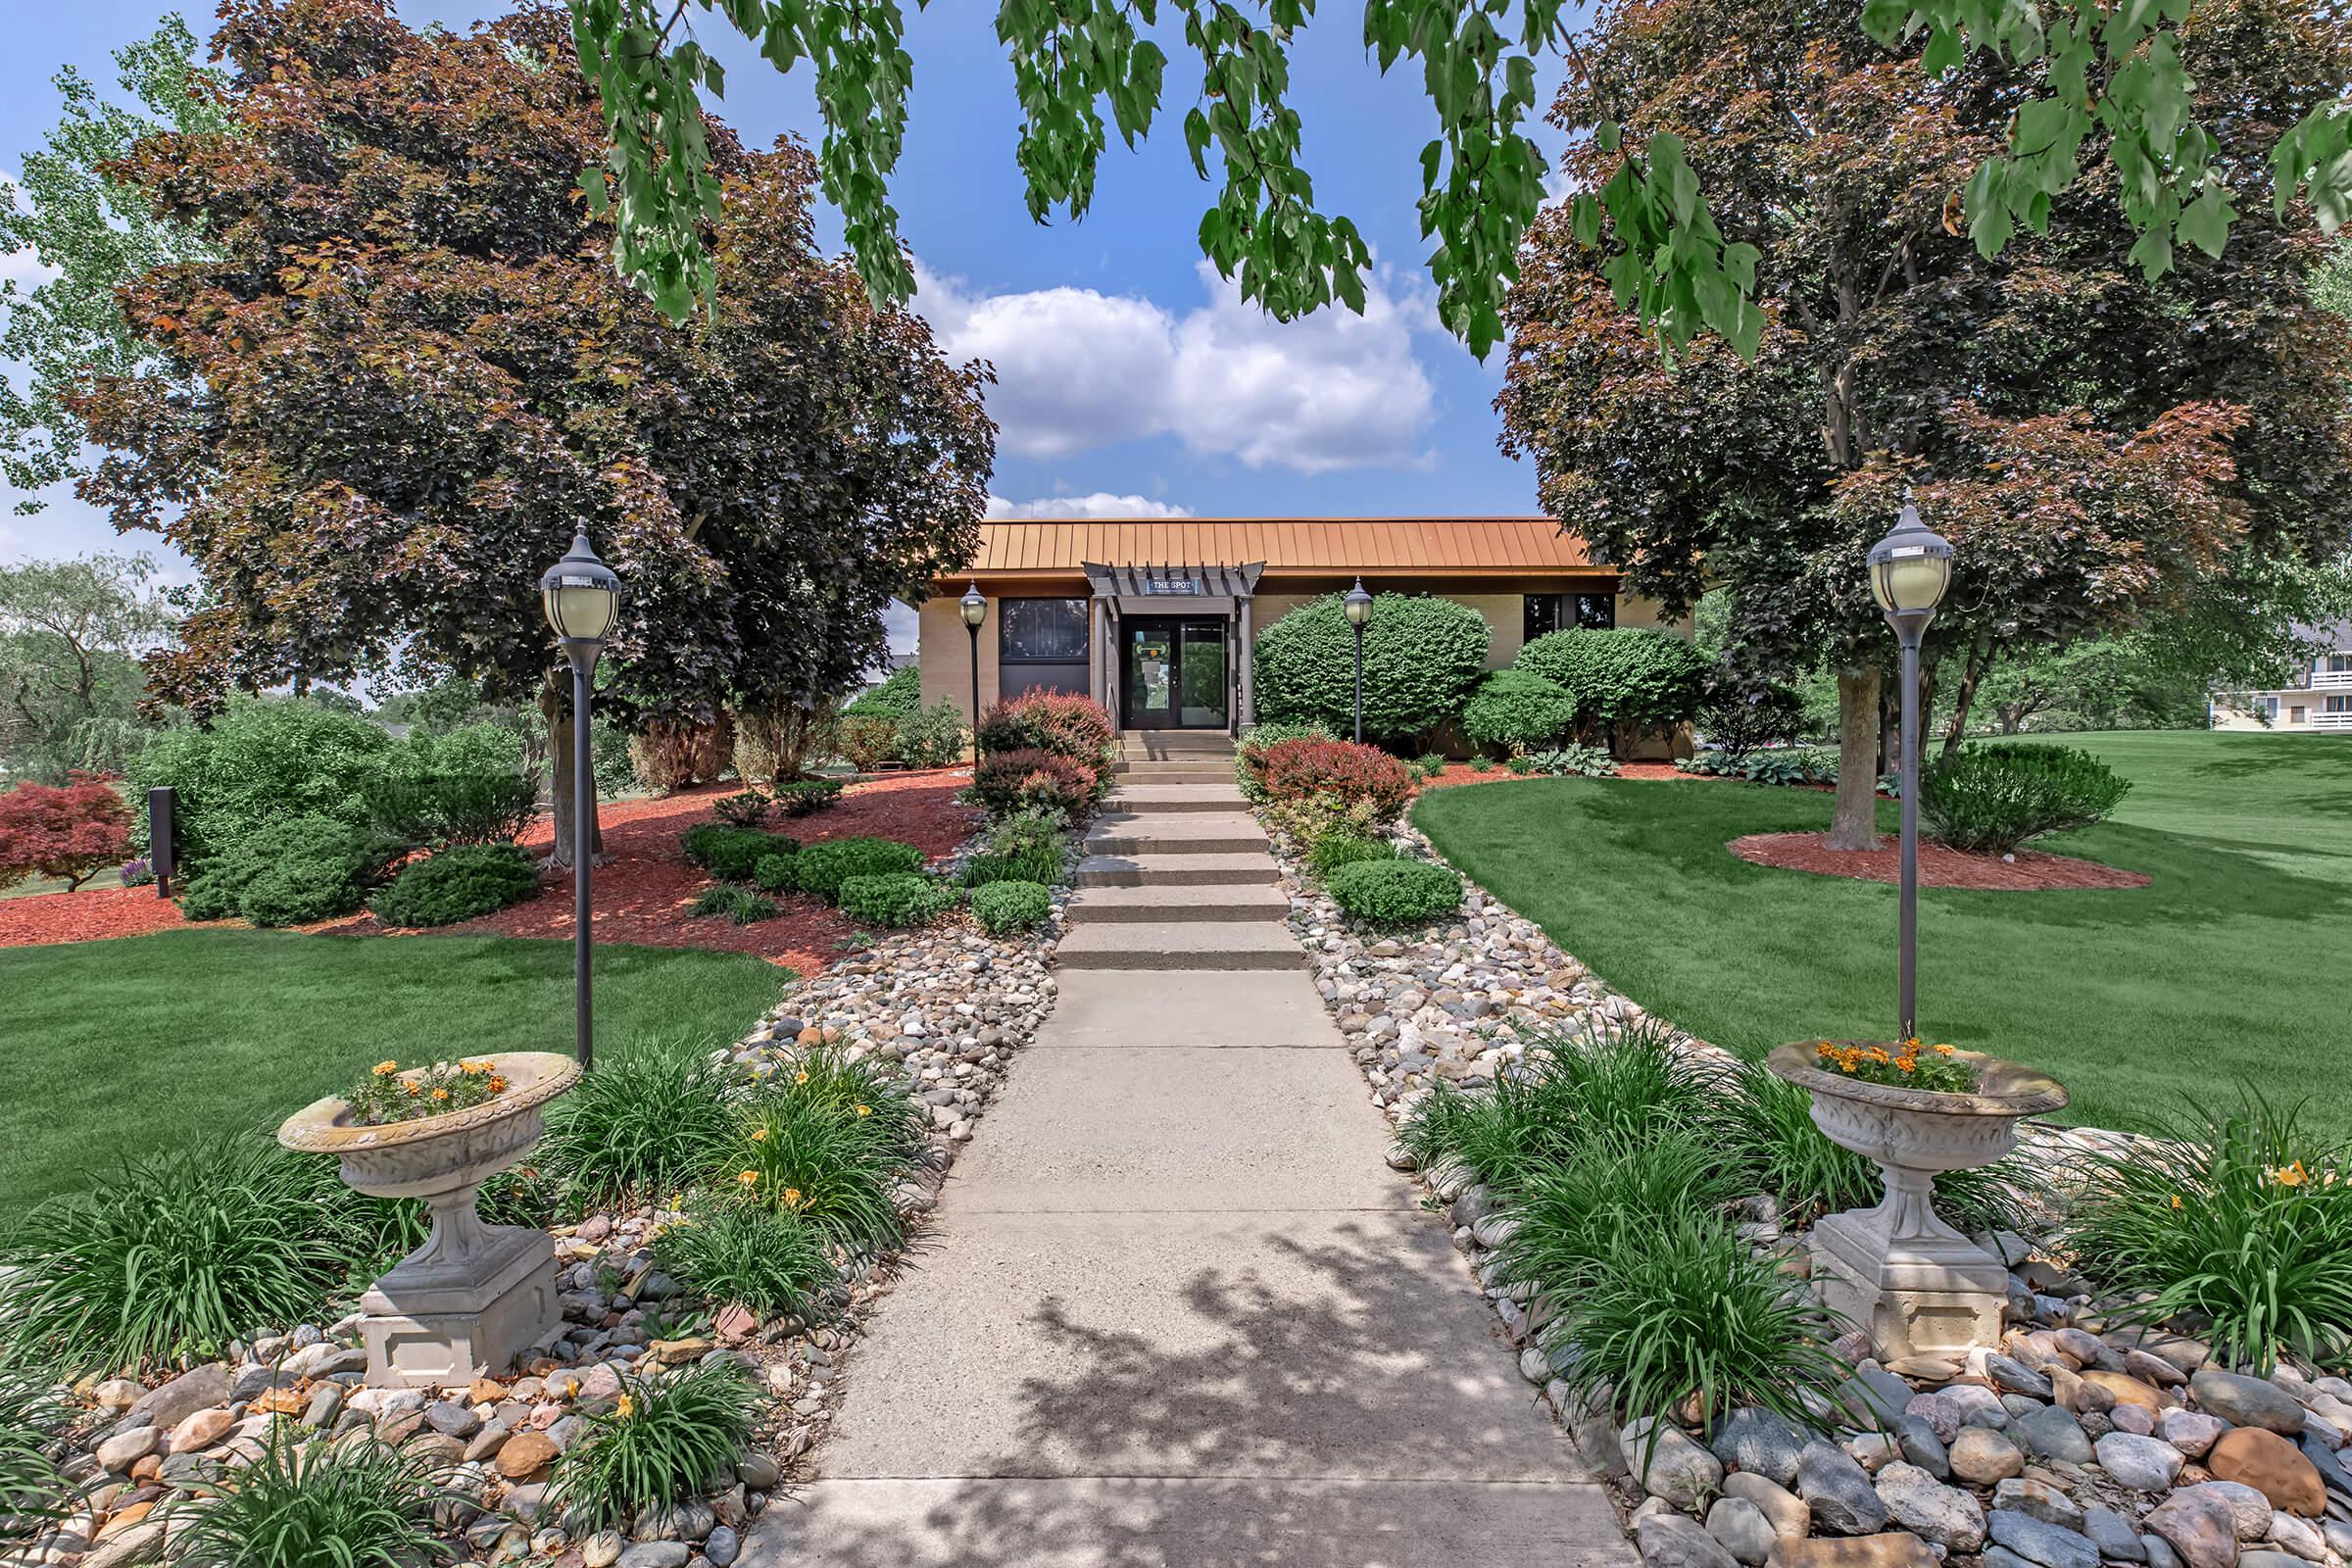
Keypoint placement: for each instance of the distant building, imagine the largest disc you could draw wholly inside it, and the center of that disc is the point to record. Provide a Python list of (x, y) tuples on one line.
[(2320, 701), (1155, 619)]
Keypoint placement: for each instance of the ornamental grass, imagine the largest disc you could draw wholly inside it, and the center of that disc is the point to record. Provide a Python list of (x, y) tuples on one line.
[(663, 1439)]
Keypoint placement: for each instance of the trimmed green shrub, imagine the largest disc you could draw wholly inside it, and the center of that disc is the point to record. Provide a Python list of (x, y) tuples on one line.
[(1250, 753), (1032, 779), (897, 697), (261, 760), (932, 737), (1990, 799), (866, 741), (658, 1443), (741, 906), (176, 1254), (746, 808), (735, 1250), (732, 853), (1002, 906), (1396, 892), (823, 867), (773, 873), (656, 1117), (1422, 655), (288, 872), (309, 1500), (805, 796), (1335, 849), (897, 898), (455, 884), (1513, 708), (829, 1141), (1741, 711), (439, 805), (1634, 675), (2240, 1219)]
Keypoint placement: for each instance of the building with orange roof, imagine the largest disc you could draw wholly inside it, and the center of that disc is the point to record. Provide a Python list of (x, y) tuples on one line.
[(1151, 616)]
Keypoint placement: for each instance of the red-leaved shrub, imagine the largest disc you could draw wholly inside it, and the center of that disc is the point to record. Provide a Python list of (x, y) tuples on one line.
[(1007, 781), (1061, 722), (1299, 769), (68, 831)]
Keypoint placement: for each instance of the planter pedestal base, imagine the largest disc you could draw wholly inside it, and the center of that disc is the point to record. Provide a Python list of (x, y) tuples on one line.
[(437, 1320), (1922, 1295)]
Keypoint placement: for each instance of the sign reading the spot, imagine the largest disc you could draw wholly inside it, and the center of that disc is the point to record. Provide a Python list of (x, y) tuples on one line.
[(1170, 585)]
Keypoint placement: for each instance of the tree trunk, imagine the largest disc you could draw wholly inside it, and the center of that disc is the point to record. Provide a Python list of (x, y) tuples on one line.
[(1972, 674), (554, 704), (1854, 822)]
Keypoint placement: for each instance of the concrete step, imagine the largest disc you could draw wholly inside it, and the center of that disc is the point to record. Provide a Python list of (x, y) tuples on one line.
[(1176, 833), (1182, 743), (1181, 945), (1145, 797), (1169, 903), (1168, 771), (1250, 869)]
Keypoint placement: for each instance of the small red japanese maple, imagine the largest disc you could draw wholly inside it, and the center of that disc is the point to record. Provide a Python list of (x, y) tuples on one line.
[(66, 831)]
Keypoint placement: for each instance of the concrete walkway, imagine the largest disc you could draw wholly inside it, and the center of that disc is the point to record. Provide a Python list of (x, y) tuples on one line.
[(1175, 1309)]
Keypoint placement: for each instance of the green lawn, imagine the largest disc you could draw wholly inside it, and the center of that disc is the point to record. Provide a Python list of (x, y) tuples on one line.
[(2231, 965), (124, 1046)]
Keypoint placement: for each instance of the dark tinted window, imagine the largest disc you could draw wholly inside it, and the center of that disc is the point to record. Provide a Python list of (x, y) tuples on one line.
[(1035, 631), (1596, 611)]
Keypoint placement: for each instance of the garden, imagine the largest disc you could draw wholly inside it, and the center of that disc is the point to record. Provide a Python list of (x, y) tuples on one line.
[(183, 1319)]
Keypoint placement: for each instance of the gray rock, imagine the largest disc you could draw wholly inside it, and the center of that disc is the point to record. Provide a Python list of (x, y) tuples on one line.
[(2015, 1377), (602, 1549), (2052, 1433), (1740, 1528), (326, 1403), (1922, 1448), (1939, 1415), (1760, 1442), (1840, 1492), (2039, 1540), (180, 1398), (757, 1471), (2332, 1469), (2197, 1526), (1982, 1457), (1785, 1511), (2246, 1401), (2114, 1535), (2144, 1464), (1669, 1541), (2040, 1500), (2160, 1553), (1673, 1467), (722, 1546), (2263, 1557), (2249, 1510), (1873, 1396), (124, 1449), (451, 1419), (657, 1554), (1944, 1515), (253, 1380), (2192, 1432)]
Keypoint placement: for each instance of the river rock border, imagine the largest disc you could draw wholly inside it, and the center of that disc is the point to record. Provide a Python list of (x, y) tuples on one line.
[(2067, 1447), (946, 1008)]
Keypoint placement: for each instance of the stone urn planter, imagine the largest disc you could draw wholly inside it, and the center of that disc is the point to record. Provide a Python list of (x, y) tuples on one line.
[(1915, 1284), (473, 1297)]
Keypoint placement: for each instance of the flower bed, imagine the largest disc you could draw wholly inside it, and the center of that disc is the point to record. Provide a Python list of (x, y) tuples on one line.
[(2077, 1440)]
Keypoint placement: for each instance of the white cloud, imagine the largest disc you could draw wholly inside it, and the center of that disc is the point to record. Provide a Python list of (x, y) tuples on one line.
[(1101, 504), (1077, 368)]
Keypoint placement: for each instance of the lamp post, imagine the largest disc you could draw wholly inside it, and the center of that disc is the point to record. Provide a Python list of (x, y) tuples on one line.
[(582, 598), (975, 610), (1909, 570), (1359, 611)]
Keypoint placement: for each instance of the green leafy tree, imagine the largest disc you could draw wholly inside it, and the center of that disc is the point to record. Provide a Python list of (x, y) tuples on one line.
[(2125, 80), (2106, 450), (92, 232), (419, 378), (72, 634)]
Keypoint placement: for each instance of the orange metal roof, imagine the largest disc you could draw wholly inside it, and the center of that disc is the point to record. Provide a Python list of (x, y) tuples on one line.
[(1436, 546)]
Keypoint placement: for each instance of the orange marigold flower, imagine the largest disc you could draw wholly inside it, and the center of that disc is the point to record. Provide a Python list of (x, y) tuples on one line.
[(497, 1085), (385, 1069), (440, 1094)]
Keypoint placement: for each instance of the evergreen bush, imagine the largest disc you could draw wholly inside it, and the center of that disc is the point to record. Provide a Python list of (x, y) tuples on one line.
[(1005, 907), (823, 867), (1422, 657), (1634, 675), (1517, 710), (1395, 892), (896, 698), (1990, 799), (458, 883), (288, 872), (897, 898)]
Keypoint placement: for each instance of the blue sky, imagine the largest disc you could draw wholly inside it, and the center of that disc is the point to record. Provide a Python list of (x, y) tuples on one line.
[(1131, 379)]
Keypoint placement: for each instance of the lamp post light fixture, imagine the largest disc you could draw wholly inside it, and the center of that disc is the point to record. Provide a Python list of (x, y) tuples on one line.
[(975, 610), (1909, 570), (1358, 604), (582, 598)]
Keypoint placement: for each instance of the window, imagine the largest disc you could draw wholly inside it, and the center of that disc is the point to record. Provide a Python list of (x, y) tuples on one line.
[(1042, 631), (2267, 707), (2339, 705), (1551, 612), (2296, 714), (2337, 663)]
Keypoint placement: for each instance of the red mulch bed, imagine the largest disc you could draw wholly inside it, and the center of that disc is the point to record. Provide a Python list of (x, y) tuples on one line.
[(645, 885), (39, 919), (1938, 866), (643, 889)]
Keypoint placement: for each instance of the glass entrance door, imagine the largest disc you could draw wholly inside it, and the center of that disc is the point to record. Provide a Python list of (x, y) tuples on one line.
[(1174, 674)]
